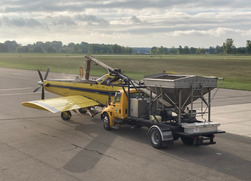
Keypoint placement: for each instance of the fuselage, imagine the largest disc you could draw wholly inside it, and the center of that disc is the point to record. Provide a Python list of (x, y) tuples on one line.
[(99, 90)]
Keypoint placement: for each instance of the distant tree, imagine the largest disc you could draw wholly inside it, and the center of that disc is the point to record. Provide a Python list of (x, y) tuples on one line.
[(203, 50), (241, 50), (248, 46), (38, 46), (180, 50), (228, 46), (23, 49), (12, 45), (37, 49), (57, 46), (161, 50), (211, 50), (173, 50), (3, 47), (192, 50), (51, 50), (84, 47), (218, 49), (128, 50), (76, 48), (200, 51), (116, 49), (186, 50), (153, 50)]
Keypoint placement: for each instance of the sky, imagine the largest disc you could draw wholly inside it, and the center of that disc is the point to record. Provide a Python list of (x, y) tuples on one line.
[(133, 23)]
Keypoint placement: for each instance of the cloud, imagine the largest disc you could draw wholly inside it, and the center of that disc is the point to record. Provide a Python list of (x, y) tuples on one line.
[(20, 22), (62, 21), (135, 20), (164, 19), (78, 6), (91, 20)]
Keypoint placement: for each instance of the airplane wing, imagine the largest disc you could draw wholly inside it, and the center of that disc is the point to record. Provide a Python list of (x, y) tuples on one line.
[(61, 104)]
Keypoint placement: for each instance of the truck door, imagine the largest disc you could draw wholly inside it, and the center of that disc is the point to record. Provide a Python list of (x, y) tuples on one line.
[(117, 106)]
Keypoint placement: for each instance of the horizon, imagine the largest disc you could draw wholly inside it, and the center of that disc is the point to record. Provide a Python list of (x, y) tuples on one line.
[(115, 44)]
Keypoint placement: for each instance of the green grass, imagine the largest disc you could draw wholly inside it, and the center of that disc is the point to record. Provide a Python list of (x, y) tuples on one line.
[(234, 69)]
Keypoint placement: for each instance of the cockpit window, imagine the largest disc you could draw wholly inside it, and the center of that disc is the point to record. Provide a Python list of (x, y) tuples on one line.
[(100, 79), (107, 81)]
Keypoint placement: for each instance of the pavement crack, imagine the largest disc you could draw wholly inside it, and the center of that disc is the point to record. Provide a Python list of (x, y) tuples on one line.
[(53, 136), (94, 151)]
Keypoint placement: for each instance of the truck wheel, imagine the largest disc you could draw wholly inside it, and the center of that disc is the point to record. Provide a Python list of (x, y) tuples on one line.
[(175, 137), (187, 140), (106, 121), (82, 110), (155, 138), (66, 115)]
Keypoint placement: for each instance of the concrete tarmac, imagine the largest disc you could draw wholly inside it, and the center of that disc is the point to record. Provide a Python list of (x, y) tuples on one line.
[(38, 145)]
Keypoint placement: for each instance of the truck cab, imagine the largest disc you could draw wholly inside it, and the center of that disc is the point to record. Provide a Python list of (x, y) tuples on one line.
[(117, 109)]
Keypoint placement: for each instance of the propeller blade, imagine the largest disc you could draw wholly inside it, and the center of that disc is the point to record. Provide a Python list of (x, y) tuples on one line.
[(42, 94), (35, 90), (40, 75), (46, 74)]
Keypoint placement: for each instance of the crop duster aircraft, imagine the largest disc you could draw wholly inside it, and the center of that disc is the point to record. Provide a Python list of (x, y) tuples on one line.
[(78, 94)]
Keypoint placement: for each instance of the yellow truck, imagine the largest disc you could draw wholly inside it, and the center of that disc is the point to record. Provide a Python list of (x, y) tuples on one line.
[(167, 105)]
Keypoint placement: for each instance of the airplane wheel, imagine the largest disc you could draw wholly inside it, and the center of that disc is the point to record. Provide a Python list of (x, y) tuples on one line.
[(66, 115), (82, 110), (106, 121)]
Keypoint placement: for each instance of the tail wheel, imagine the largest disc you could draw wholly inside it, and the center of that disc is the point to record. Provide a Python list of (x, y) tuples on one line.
[(155, 138), (106, 121), (66, 115)]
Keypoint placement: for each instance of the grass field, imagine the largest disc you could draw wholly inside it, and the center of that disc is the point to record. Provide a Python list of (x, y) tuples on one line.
[(235, 70)]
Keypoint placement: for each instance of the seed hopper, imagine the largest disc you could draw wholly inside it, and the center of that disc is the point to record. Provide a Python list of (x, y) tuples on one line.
[(182, 94)]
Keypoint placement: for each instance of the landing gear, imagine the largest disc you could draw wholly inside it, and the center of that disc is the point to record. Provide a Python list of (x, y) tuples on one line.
[(66, 115), (82, 110)]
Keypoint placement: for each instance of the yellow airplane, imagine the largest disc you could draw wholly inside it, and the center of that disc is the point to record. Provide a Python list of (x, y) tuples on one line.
[(78, 94)]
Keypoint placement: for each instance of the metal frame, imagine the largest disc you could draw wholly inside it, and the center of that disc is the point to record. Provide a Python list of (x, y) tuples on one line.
[(180, 107)]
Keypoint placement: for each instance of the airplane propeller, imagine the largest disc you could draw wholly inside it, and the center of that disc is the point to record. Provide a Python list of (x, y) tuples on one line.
[(40, 83)]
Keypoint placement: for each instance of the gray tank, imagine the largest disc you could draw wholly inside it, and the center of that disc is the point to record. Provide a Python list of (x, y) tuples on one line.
[(169, 86)]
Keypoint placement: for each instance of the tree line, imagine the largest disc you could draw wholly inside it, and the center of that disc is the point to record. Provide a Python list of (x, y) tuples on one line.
[(227, 48), (58, 47), (86, 48)]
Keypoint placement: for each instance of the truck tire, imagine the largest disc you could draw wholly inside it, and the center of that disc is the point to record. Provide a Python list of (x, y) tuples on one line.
[(66, 115), (175, 137), (187, 140), (106, 121), (155, 138)]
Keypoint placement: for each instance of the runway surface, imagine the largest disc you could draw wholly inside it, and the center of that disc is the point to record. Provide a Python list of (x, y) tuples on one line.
[(38, 145)]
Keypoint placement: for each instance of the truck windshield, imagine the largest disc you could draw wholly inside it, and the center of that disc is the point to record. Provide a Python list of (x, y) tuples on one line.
[(138, 95), (117, 98)]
